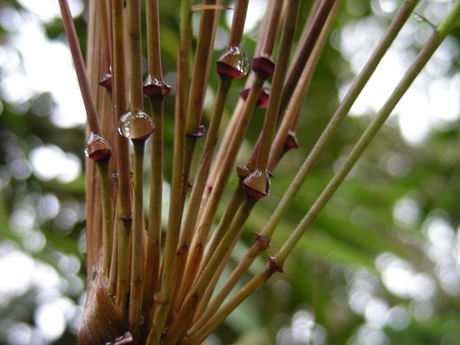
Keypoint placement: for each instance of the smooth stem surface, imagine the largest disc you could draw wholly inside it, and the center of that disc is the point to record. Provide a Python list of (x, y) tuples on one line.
[(422, 58), (203, 54), (80, 69), (198, 189), (135, 55), (228, 162), (188, 308), (289, 122), (259, 182), (361, 80), (124, 213), (304, 52), (177, 183), (253, 285), (152, 264), (135, 300), (107, 233)]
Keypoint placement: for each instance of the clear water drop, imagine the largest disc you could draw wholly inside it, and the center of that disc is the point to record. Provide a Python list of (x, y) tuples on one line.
[(234, 63), (135, 126), (97, 148)]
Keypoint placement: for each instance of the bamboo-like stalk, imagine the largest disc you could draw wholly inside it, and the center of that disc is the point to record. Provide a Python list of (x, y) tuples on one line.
[(253, 285), (289, 123), (124, 213), (138, 133), (262, 239), (156, 89), (303, 53), (178, 187), (358, 85), (414, 70)]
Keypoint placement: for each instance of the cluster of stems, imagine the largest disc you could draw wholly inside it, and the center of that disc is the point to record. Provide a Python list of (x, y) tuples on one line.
[(140, 290)]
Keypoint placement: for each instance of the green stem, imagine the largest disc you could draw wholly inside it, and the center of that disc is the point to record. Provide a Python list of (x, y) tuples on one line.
[(135, 300), (188, 274), (177, 183), (203, 54), (190, 304), (135, 56), (422, 58), (124, 213), (289, 122), (199, 336), (304, 52), (258, 180), (329, 132), (108, 213), (152, 264), (80, 69)]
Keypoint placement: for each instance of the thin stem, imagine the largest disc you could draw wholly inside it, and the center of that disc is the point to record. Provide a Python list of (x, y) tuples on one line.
[(422, 58), (289, 122), (358, 85), (197, 192), (203, 54), (135, 298), (135, 55), (80, 69), (177, 186), (304, 52), (188, 308), (226, 167), (124, 213), (107, 215), (152, 264), (258, 180), (253, 285), (156, 98)]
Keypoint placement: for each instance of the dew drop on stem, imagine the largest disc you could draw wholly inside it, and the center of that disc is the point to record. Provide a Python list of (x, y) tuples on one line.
[(135, 126), (234, 63), (97, 148)]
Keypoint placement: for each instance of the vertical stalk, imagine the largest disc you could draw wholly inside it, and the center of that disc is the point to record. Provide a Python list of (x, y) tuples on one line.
[(422, 58), (120, 97), (156, 89), (136, 125)]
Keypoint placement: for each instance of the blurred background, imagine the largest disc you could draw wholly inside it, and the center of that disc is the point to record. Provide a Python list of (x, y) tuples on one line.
[(380, 265)]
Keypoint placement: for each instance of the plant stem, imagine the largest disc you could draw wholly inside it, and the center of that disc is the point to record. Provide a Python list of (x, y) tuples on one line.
[(80, 69), (253, 285), (422, 58), (289, 122), (124, 213), (304, 52), (187, 310), (177, 183), (188, 274), (334, 124), (258, 179), (203, 54), (108, 214), (156, 97)]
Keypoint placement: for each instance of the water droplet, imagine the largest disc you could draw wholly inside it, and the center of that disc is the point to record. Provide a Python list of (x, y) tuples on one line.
[(154, 87), (233, 63), (106, 81), (97, 148), (418, 17), (136, 126)]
